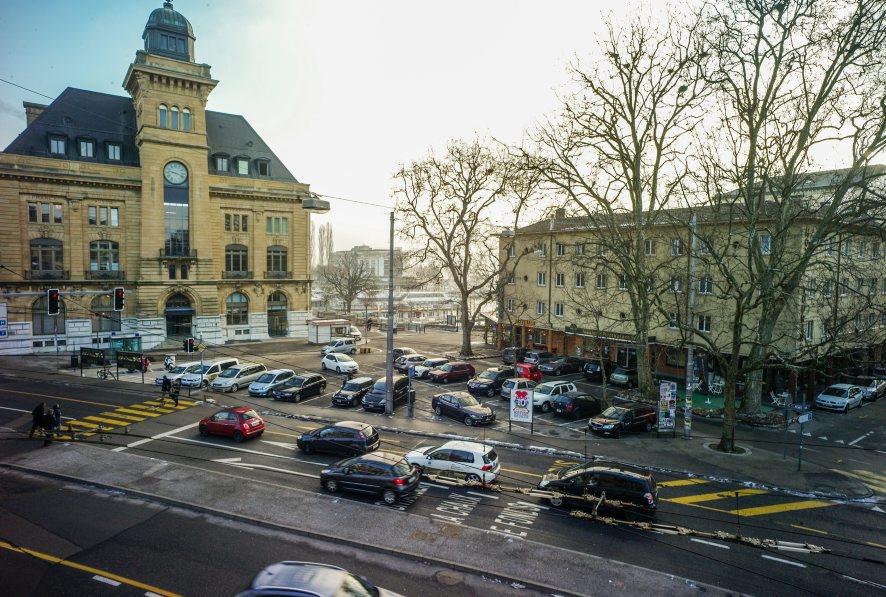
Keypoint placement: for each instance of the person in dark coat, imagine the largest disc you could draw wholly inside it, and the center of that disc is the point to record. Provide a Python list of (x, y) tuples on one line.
[(165, 386), (37, 415), (57, 414), (48, 424), (176, 388)]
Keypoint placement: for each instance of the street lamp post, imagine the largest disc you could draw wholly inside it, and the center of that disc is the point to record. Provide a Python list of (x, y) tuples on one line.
[(389, 367)]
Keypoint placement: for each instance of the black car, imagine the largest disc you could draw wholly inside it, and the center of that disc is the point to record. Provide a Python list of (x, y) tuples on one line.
[(490, 381), (561, 365), (576, 405), (462, 406), (380, 473), (512, 355), (299, 387), (375, 399), (347, 438), (401, 350), (593, 370), (623, 485), (352, 392), (615, 420)]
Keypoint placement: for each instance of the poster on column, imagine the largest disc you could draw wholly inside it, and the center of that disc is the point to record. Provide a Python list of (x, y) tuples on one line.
[(667, 405), (521, 406)]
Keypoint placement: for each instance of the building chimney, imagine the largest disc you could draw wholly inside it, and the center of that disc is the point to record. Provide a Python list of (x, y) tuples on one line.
[(32, 111)]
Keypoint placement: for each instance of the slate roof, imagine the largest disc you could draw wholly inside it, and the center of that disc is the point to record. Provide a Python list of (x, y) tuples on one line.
[(77, 113)]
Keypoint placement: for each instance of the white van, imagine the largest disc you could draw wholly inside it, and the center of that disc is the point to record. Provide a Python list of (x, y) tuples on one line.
[(345, 345), (211, 370), (179, 371), (238, 376)]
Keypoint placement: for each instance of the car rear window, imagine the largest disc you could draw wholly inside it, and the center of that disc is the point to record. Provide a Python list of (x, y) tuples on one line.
[(490, 457), (369, 431), (402, 469), (266, 378), (352, 387), (296, 382), (250, 414)]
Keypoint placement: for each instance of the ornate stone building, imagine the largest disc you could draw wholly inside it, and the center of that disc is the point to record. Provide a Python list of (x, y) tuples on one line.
[(187, 209)]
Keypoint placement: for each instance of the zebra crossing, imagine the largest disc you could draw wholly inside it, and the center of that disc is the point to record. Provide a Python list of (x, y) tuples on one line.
[(743, 502), (121, 417)]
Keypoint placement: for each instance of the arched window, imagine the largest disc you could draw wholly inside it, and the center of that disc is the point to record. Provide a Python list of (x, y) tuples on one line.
[(236, 261), (277, 301), (186, 119), (44, 324), (104, 256), (163, 116), (278, 262), (104, 318), (173, 121), (47, 259), (237, 309)]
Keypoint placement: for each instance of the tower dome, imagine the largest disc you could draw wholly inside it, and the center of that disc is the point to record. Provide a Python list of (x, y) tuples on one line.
[(168, 33)]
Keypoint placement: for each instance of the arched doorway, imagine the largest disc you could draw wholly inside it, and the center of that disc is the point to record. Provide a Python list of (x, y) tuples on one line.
[(178, 316), (277, 308)]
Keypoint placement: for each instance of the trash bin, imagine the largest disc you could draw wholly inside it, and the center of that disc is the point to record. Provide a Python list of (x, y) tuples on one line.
[(75, 361)]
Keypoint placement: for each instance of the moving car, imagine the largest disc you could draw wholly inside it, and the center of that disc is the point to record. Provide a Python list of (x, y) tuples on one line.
[(623, 485), (528, 371), (422, 370), (346, 345), (405, 361), (615, 420), (347, 438), (384, 473), (453, 371), (234, 378), (339, 362), (512, 355), (543, 394), (239, 422), (269, 381), (352, 391), (462, 406), (624, 376), (473, 460), (561, 365), (376, 397), (202, 378), (178, 372), (840, 396), (515, 383), (535, 357), (490, 381), (577, 405), (299, 387), (307, 578)]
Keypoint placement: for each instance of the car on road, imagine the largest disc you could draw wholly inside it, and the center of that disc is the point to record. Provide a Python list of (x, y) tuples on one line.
[(425, 367), (307, 578), (543, 394), (528, 371), (463, 407), (354, 332), (594, 370), (536, 357), (561, 365), (515, 383), (512, 355), (380, 473), (238, 376), (840, 396), (490, 381), (269, 381), (874, 389), (405, 361), (179, 372), (339, 362), (299, 387), (577, 405), (624, 376), (345, 345), (239, 422), (452, 371), (401, 350), (346, 438), (473, 460), (209, 372), (375, 399), (352, 391), (616, 420), (622, 485)]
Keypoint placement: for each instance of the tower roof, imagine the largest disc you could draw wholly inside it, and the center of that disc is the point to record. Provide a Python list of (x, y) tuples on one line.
[(169, 33)]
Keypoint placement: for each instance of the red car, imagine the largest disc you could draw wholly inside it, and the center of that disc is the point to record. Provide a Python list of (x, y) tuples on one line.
[(239, 422), (453, 371), (528, 371)]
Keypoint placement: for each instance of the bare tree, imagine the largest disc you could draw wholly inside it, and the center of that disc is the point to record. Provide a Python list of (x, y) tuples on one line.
[(324, 244), (347, 277), (451, 204)]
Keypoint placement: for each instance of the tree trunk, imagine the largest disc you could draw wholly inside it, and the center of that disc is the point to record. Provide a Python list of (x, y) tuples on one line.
[(466, 329), (727, 434), (753, 390)]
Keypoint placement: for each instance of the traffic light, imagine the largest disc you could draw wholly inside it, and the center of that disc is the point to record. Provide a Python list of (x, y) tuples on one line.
[(119, 299), (191, 344), (185, 345), (52, 301)]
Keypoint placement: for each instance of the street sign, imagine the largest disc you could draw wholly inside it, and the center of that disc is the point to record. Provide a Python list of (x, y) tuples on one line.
[(201, 347), (521, 406), (804, 418), (4, 322)]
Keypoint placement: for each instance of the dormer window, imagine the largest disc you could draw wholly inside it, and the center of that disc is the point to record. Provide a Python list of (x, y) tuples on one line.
[(264, 167), (115, 150), (87, 148), (221, 163), (57, 145), (243, 166), (186, 119), (163, 116)]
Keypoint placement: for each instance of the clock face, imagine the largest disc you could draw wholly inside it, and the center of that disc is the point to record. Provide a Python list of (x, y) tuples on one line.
[(175, 172)]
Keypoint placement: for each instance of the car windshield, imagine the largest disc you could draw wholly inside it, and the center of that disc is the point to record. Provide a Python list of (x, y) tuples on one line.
[(614, 412), (402, 468), (570, 470), (351, 387), (181, 369), (266, 378), (446, 367), (354, 586), (202, 369), (834, 391), (488, 375), (467, 401), (228, 373), (249, 414), (380, 387), (296, 382), (490, 457), (543, 389)]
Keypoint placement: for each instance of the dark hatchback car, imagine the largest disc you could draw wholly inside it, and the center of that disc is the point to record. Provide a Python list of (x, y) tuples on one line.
[(376, 397), (616, 420), (352, 391), (454, 371), (593, 370), (512, 355), (561, 365), (576, 405), (379, 473), (623, 485), (462, 406), (401, 350), (347, 438), (299, 387), (490, 381)]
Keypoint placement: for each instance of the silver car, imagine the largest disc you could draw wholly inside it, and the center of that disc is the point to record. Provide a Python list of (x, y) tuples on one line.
[(515, 383), (840, 397)]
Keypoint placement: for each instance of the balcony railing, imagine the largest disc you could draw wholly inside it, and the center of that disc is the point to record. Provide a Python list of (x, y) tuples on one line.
[(47, 274), (164, 254), (236, 275), (93, 274), (278, 274)]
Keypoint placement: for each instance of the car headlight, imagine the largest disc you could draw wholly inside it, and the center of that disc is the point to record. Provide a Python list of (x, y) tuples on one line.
[(325, 471)]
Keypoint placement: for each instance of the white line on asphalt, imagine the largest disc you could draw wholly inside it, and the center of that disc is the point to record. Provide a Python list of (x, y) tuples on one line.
[(113, 583), (864, 582), (234, 448), (774, 559), (709, 543), (853, 442), (158, 436), (429, 484), (485, 495)]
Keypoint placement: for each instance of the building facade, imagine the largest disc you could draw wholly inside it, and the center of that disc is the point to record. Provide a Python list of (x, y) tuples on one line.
[(186, 209)]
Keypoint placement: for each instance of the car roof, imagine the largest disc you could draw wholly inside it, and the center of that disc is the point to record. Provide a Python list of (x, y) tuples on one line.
[(238, 409), (458, 363), (460, 393), (842, 386), (278, 371), (459, 444), (244, 365), (383, 457), (595, 468), (559, 382), (320, 579), (360, 380), (499, 369), (576, 394), (518, 379), (351, 425)]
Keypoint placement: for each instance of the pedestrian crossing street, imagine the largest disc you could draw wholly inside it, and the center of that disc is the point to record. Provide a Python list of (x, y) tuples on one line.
[(735, 502), (123, 416), (876, 482)]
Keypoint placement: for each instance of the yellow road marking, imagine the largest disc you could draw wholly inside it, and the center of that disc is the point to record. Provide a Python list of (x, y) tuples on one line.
[(281, 433), (786, 507), (82, 424), (865, 477), (872, 544), (683, 482), (75, 565), (802, 528), (710, 497), (116, 422), (509, 470), (120, 415), (105, 404), (152, 407), (141, 413)]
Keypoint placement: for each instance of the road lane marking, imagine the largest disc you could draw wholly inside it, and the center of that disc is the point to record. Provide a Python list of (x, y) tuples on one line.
[(141, 442), (802, 528), (122, 416), (720, 545), (855, 441), (509, 470), (485, 495), (786, 507), (781, 561), (872, 480), (235, 462), (105, 580), (141, 413), (236, 449), (115, 422), (105, 404), (76, 566), (710, 497), (683, 482)]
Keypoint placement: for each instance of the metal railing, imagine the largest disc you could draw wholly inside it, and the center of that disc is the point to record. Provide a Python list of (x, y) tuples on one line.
[(164, 254), (278, 274), (47, 274), (92, 274), (236, 275)]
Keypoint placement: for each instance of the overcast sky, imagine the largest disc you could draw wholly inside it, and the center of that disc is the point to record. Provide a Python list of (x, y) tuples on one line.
[(343, 91)]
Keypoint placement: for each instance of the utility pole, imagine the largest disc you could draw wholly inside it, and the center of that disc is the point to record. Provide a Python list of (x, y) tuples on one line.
[(690, 314), (389, 367)]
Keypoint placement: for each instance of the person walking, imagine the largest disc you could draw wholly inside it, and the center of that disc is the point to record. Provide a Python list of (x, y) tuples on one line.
[(165, 386), (37, 421), (176, 387), (48, 424), (57, 414)]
